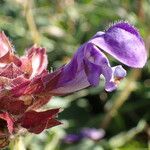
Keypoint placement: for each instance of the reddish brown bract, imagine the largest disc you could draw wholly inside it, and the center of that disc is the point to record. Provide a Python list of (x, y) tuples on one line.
[(20, 98)]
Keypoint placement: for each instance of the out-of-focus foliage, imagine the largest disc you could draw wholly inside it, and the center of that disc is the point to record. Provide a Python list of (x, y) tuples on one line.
[(61, 26)]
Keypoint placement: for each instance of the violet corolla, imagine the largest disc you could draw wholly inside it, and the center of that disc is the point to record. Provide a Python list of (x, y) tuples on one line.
[(26, 85)]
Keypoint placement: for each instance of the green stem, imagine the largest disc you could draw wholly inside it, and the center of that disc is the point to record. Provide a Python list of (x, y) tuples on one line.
[(17, 144), (31, 22)]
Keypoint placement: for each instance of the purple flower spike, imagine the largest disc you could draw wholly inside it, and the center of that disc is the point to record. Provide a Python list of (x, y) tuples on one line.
[(93, 134), (121, 40)]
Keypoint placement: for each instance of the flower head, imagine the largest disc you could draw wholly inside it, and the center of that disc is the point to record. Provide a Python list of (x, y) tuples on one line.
[(19, 110), (26, 85), (122, 41)]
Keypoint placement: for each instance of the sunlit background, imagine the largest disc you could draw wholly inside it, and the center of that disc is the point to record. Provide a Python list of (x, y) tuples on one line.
[(62, 26)]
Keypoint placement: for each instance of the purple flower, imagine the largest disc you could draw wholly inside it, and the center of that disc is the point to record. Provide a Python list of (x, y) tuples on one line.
[(93, 134), (122, 41), (72, 138)]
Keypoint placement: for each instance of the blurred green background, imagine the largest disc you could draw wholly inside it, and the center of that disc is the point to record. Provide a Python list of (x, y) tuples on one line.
[(62, 26)]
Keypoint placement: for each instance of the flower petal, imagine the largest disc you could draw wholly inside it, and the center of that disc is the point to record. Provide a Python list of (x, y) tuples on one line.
[(39, 101), (85, 70), (123, 42), (26, 66), (10, 71), (7, 51), (36, 122), (13, 106), (35, 61), (9, 120), (99, 65), (5, 45), (38, 59), (20, 89), (113, 77), (72, 77)]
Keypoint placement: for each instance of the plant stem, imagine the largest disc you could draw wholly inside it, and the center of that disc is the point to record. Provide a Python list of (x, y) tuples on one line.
[(30, 21), (17, 144)]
